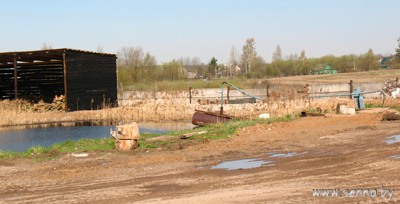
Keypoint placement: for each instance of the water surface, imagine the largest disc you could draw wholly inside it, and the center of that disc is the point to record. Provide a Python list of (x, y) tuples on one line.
[(393, 139), (19, 139), (241, 164)]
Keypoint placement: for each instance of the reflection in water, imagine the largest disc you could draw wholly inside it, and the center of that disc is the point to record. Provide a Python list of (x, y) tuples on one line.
[(153, 127), (241, 164), (17, 139), (393, 139)]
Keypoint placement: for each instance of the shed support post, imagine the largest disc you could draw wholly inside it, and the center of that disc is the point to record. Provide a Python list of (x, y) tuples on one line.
[(65, 83), (15, 78)]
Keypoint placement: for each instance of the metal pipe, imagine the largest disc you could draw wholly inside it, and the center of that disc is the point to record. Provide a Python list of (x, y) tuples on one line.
[(350, 94), (222, 95)]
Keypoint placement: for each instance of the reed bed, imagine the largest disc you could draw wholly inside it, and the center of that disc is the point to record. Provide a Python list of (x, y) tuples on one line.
[(171, 106)]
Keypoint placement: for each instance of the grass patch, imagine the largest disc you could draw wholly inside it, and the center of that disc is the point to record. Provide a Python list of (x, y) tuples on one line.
[(370, 105), (52, 152), (214, 131)]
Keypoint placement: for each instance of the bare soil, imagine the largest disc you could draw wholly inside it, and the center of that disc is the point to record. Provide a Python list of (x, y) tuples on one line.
[(339, 152)]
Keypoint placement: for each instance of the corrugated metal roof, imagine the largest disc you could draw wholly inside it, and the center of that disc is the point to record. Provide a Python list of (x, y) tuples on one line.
[(50, 51)]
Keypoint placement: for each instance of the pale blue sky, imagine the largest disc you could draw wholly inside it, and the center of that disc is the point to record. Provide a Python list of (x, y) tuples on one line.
[(202, 28)]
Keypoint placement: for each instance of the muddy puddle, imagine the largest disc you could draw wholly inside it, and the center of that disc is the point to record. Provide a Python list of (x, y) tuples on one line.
[(19, 139), (392, 139), (395, 157), (281, 155), (255, 163), (241, 164)]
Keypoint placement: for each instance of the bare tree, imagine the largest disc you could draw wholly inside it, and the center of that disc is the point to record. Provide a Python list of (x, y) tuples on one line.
[(195, 61), (249, 53), (131, 58), (234, 59), (99, 48), (46, 47), (277, 55)]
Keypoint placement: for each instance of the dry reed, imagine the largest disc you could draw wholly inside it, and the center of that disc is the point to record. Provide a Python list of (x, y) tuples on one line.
[(171, 106)]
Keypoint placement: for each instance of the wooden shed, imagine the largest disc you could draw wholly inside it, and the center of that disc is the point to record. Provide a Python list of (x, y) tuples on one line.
[(86, 79)]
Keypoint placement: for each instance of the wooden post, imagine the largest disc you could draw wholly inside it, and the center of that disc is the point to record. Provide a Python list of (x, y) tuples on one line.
[(190, 94), (65, 83), (15, 78), (227, 95), (351, 88), (267, 90)]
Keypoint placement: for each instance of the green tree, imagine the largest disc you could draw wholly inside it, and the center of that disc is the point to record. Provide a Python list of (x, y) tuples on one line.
[(149, 68), (132, 61), (174, 71), (368, 61), (397, 55), (213, 66)]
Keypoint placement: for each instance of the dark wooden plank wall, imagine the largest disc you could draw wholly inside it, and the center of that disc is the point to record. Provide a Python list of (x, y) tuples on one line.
[(90, 77), (6, 82), (41, 80)]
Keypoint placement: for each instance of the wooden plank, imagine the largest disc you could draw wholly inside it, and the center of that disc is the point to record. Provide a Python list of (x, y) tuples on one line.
[(15, 78), (187, 135), (65, 81)]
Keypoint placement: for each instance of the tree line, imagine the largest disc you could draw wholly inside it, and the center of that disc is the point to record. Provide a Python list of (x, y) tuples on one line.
[(136, 66)]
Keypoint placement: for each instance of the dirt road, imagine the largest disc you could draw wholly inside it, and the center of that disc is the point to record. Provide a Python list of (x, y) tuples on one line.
[(333, 152)]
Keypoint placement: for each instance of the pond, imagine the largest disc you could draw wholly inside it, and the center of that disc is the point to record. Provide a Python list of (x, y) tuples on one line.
[(20, 139)]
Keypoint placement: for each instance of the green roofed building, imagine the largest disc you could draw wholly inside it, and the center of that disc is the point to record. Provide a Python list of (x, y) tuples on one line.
[(327, 70), (383, 64)]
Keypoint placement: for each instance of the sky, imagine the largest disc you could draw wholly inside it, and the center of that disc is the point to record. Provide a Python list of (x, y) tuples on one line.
[(172, 29)]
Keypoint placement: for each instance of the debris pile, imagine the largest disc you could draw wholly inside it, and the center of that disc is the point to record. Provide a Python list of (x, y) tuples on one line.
[(390, 89), (58, 104)]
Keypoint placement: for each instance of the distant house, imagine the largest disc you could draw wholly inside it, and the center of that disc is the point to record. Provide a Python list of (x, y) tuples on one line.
[(383, 62), (327, 70), (191, 75)]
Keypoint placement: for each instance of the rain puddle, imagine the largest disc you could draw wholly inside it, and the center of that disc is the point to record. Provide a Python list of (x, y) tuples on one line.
[(281, 155), (241, 164), (395, 157), (393, 139)]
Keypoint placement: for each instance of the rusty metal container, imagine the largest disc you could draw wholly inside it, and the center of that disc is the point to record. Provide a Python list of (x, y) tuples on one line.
[(205, 118)]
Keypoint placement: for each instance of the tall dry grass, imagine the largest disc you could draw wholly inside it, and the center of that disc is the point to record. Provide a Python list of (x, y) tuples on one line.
[(172, 106)]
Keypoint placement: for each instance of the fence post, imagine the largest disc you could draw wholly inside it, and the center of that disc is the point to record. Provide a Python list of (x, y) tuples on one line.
[(351, 88), (267, 90), (227, 95), (190, 94)]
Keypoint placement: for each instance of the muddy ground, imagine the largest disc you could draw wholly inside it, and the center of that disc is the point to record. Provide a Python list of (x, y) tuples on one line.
[(334, 152)]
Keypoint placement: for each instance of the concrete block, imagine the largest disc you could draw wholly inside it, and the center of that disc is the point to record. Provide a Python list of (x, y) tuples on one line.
[(342, 108), (264, 116), (351, 111), (125, 144), (127, 132)]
